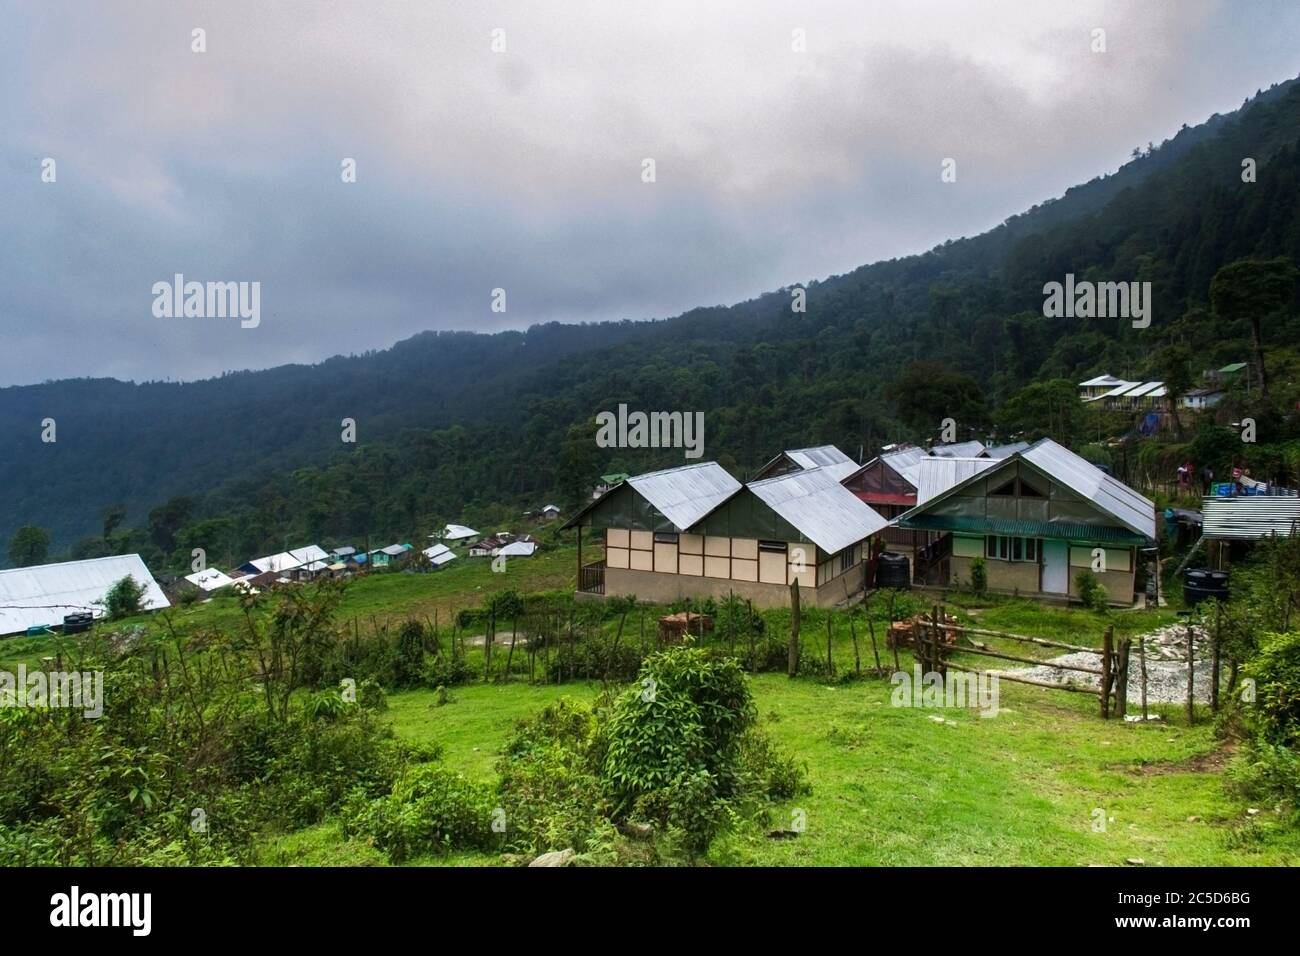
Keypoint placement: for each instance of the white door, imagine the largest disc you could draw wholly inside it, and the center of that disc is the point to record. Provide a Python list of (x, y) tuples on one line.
[(1056, 566)]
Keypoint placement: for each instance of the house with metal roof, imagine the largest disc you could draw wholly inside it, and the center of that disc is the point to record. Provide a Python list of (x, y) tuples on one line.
[(42, 595), (210, 579), (959, 449), (1037, 518), (285, 561), (800, 459), (697, 532)]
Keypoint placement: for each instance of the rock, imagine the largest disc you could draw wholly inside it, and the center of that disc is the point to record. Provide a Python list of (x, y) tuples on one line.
[(1193, 819), (637, 831), (1136, 861), (782, 834), (555, 858), (1253, 811)]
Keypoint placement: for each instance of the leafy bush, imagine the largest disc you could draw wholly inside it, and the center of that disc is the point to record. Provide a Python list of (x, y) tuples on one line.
[(1276, 672), (429, 810), (124, 599), (1091, 592), (549, 786), (979, 575)]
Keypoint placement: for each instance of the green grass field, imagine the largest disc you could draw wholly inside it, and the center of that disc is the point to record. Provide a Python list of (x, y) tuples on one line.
[(891, 785)]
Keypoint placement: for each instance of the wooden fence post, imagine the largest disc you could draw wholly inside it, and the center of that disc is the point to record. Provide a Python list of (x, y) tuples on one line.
[(1215, 659), (1107, 653), (1142, 660), (857, 657), (830, 658), (1191, 675), (1121, 683), (792, 662)]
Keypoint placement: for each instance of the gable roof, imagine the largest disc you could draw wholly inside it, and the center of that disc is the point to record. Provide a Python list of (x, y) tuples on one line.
[(959, 449), (1112, 497), (904, 461), (288, 560), (45, 593), (1100, 380), (210, 579), (824, 456), (819, 507), (1006, 451), (455, 532), (687, 493), (937, 475)]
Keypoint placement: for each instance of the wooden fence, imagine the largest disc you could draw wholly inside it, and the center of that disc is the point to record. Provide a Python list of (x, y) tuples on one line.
[(934, 653)]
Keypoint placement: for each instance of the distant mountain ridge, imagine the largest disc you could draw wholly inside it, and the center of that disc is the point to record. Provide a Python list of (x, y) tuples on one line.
[(451, 420)]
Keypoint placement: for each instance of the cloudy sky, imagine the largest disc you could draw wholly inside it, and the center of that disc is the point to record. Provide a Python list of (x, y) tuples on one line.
[(521, 169)]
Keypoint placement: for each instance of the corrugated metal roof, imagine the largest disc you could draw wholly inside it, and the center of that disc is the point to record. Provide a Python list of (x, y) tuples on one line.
[(904, 461), (1140, 389), (960, 449), (687, 493), (937, 475), (1251, 517), (998, 452), (439, 554), (1102, 380), (210, 579), (822, 509), (455, 532), (824, 456), (343, 552), (45, 593), (288, 560), (518, 549), (1109, 494)]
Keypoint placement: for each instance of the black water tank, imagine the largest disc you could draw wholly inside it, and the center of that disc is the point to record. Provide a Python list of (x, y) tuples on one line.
[(1202, 584), (76, 623), (893, 570)]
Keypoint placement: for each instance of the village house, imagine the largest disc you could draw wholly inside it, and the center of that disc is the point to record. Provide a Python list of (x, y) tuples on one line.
[(41, 596), (285, 563), (695, 531), (391, 556), (801, 459), (1037, 518)]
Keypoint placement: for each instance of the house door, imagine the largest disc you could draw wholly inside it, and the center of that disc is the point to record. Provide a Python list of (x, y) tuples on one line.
[(1056, 567)]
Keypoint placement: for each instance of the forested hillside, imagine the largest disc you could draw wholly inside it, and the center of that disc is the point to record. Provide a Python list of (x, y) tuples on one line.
[(455, 425)]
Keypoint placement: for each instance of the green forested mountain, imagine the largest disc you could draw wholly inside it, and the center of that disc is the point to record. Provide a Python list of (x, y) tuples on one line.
[(457, 425)]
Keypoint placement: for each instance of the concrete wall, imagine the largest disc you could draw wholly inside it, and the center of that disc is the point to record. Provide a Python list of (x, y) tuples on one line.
[(1022, 577), (667, 588)]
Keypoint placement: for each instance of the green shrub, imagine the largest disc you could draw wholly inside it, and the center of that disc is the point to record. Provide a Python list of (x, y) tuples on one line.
[(124, 598), (1091, 592), (549, 786), (979, 575), (430, 810), (1275, 715)]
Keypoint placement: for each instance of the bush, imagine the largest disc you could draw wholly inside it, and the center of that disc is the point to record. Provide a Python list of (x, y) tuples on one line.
[(124, 599), (1091, 593), (979, 575), (549, 786), (430, 810), (1276, 672)]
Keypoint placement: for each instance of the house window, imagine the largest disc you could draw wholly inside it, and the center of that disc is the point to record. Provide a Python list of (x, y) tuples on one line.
[(848, 558), (1002, 548), (665, 537), (775, 546)]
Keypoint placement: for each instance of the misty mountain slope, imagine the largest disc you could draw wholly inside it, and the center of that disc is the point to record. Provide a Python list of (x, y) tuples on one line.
[(448, 420)]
